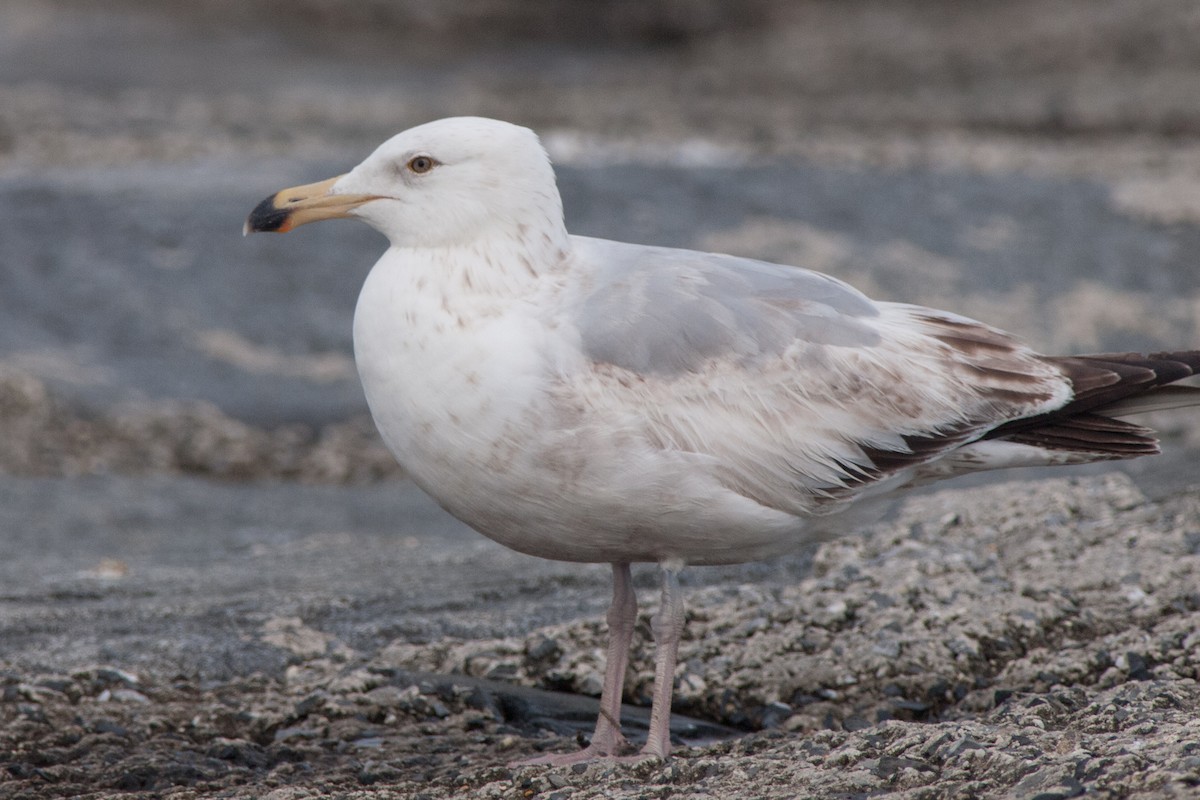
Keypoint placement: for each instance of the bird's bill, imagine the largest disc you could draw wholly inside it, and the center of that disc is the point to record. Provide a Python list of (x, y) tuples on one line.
[(300, 205)]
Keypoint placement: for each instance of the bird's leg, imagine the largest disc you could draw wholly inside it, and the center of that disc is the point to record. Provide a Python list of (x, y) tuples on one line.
[(622, 615), (607, 740), (668, 628)]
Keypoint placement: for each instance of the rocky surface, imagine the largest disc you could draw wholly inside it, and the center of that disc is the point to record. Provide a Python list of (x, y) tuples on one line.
[(216, 583), (1040, 640)]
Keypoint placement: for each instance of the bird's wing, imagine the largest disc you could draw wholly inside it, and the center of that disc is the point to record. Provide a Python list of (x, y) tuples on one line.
[(796, 389)]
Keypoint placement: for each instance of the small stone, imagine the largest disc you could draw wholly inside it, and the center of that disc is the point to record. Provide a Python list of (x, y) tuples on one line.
[(544, 649), (109, 675), (775, 714), (109, 726), (129, 696)]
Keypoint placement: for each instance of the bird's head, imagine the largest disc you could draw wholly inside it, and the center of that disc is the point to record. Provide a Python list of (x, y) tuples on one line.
[(445, 183)]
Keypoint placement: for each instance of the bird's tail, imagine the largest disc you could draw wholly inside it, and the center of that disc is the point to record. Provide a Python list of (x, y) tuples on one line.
[(1108, 386)]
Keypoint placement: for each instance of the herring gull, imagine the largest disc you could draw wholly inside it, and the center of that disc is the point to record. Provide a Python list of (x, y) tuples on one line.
[(594, 401)]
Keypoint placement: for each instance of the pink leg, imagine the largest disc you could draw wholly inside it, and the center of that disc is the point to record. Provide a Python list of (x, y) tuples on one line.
[(607, 741), (668, 628)]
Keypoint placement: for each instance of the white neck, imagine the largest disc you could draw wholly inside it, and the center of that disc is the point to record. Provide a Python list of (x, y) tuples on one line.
[(505, 263)]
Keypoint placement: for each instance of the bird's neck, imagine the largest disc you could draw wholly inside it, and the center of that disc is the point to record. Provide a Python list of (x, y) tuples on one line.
[(501, 262)]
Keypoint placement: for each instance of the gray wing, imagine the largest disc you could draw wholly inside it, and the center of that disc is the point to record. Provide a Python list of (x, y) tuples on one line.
[(662, 311), (797, 390)]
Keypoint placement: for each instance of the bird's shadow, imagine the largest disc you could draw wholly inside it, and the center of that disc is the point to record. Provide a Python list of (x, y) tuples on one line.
[(563, 714)]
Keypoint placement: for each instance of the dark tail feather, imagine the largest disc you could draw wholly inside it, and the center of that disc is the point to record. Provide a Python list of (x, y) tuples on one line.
[(1106, 386)]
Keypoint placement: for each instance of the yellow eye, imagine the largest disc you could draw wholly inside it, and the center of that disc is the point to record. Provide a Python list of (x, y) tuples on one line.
[(421, 164)]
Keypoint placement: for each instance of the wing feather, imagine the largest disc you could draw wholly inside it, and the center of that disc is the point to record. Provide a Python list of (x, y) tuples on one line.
[(795, 389)]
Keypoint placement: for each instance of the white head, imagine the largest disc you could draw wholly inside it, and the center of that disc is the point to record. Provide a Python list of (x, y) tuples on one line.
[(450, 182)]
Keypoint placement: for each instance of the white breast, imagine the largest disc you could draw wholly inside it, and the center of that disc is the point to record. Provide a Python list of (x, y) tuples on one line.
[(444, 372)]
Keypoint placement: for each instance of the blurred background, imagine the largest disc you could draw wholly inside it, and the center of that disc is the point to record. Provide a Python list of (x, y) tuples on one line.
[(173, 395)]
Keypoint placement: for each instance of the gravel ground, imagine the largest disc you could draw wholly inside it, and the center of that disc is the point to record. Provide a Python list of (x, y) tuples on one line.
[(1027, 640), (217, 583)]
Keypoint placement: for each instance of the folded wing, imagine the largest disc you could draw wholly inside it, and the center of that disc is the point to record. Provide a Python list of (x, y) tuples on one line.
[(818, 393)]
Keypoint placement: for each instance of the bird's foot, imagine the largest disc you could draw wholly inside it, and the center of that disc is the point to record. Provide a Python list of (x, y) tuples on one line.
[(640, 757), (595, 751), (653, 750), (592, 753)]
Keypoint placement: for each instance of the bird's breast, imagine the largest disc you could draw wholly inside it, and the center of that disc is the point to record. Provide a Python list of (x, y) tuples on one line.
[(451, 378)]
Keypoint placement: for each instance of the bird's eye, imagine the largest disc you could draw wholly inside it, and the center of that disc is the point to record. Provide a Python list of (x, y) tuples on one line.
[(421, 164)]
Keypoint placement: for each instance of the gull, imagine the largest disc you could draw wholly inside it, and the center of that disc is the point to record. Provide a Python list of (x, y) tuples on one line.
[(595, 401)]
